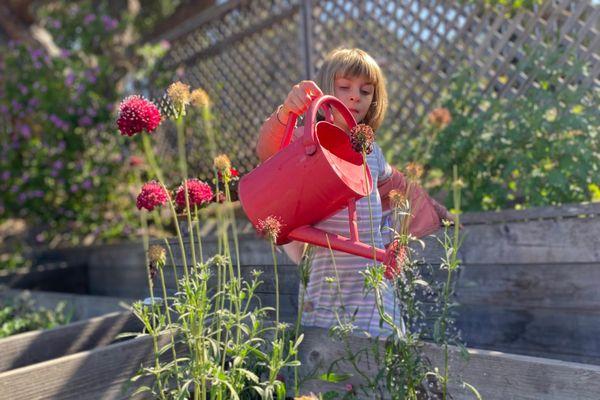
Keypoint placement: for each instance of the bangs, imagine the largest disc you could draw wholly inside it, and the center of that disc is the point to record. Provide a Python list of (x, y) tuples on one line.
[(356, 67)]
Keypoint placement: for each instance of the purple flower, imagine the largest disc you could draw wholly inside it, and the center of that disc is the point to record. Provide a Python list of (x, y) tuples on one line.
[(5, 175), (33, 102), (64, 53), (22, 197), (91, 112), (109, 23), (16, 106), (74, 188), (56, 24), (3, 109), (58, 164), (88, 19), (69, 79), (25, 131), (85, 121), (87, 184), (23, 89)]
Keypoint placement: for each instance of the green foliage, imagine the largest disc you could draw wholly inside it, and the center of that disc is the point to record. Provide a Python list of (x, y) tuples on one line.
[(61, 157), (21, 316), (539, 148)]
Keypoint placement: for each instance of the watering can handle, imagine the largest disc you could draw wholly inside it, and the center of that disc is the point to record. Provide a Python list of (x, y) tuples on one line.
[(309, 138)]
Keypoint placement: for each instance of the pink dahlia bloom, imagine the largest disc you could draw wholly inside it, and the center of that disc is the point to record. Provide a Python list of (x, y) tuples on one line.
[(198, 193), (136, 114), (152, 195)]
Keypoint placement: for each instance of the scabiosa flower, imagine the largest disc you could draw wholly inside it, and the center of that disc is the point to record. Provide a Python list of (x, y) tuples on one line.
[(414, 171), (198, 193), (439, 117), (157, 255), (179, 93), (152, 195), (199, 98), (361, 138), (394, 258), (397, 199), (222, 163), (136, 114), (269, 227)]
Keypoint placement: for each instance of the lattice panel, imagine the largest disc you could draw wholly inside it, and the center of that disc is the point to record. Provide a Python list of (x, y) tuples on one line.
[(247, 54), (246, 60)]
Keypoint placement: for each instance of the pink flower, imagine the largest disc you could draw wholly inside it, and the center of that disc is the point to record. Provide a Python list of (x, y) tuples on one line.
[(152, 195), (395, 256), (136, 114), (198, 193), (269, 227)]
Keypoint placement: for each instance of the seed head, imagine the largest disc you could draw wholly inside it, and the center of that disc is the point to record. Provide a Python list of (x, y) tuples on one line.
[(270, 227), (439, 117), (361, 138)]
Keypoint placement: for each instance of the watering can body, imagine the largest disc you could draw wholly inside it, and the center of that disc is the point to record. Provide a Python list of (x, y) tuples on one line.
[(310, 179)]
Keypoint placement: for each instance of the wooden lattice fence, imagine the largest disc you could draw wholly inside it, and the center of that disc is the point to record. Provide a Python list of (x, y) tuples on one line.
[(247, 54)]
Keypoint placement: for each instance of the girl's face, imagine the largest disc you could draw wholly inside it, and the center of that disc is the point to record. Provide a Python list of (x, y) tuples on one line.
[(356, 93)]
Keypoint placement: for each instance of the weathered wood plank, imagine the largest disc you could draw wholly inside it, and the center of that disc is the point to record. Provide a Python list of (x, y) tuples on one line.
[(554, 333), (568, 286), (535, 213), (56, 276), (495, 375), (96, 374), (82, 306), (34, 347), (569, 240)]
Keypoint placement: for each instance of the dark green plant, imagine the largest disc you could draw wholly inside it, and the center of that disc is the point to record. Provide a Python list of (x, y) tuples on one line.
[(20, 316)]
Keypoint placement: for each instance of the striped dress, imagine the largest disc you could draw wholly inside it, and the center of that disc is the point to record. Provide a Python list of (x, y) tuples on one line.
[(322, 298)]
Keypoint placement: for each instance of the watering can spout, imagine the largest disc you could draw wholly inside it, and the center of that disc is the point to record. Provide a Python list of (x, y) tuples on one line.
[(312, 235)]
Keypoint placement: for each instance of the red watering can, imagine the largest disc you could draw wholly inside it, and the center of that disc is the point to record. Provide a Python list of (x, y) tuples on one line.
[(316, 176)]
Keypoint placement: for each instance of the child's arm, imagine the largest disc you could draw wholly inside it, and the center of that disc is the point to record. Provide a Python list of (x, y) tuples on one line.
[(272, 130), (427, 213)]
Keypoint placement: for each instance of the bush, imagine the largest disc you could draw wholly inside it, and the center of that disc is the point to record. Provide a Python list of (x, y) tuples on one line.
[(539, 148)]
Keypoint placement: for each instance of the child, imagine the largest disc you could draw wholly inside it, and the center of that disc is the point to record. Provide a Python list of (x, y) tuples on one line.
[(353, 77)]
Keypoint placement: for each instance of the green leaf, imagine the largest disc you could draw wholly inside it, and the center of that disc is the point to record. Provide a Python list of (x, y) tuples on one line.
[(334, 377)]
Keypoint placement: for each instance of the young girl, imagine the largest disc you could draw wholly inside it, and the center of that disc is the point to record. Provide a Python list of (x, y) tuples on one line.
[(356, 80)]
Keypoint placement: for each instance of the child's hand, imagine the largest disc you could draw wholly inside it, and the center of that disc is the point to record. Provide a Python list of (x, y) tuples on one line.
[(299, 98)]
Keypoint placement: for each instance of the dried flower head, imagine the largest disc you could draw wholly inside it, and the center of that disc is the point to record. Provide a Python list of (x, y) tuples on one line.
[(397, 199), (199, 98), (157, 255), (361, 138), (199, 193), (152, 195), (136, 114), (270, 227), (222, 163), (439, 117), (179, 93), (395, 257), (414, 171)]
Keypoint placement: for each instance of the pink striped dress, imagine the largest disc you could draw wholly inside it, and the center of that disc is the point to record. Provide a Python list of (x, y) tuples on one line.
[(323, 299)]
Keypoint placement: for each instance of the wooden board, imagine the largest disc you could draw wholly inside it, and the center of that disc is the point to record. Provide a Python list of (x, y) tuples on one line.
[(37, 346), (102, 373), (81, 306), (496, 375)]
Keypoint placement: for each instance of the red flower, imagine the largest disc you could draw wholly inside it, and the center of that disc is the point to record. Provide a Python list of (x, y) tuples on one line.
[(233, 173), (136, 114), (198, 193), (394, 258), (134, 161), (152, 195)]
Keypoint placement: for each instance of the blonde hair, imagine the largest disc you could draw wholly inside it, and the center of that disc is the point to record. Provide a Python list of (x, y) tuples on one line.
[(347, 63)]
